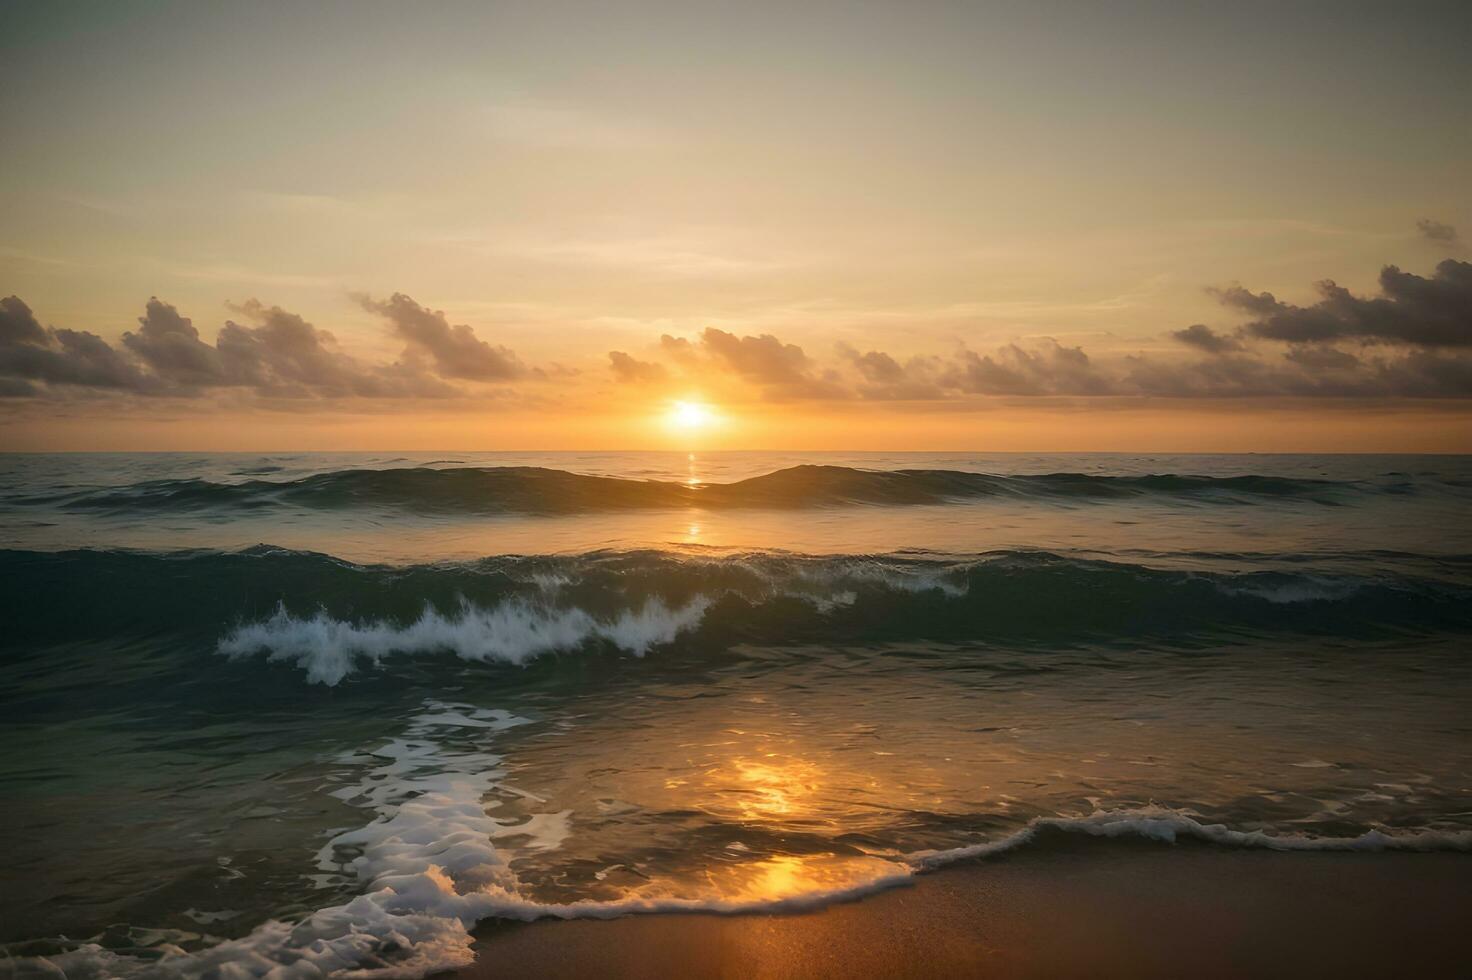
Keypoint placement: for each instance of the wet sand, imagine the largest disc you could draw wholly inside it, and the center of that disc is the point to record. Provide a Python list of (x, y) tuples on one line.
[(1073, 909)]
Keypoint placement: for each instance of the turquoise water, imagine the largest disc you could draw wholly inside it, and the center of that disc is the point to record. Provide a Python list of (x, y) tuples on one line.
[(329, 711)]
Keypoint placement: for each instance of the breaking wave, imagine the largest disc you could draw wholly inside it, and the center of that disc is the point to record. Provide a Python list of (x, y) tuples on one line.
[(328, 615), (512, 632)]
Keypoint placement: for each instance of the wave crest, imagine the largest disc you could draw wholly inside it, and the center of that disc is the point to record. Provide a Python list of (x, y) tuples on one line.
[(511, 632), (329, 614)]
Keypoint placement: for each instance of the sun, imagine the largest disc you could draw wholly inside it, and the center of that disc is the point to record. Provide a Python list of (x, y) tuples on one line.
[(690, 416)]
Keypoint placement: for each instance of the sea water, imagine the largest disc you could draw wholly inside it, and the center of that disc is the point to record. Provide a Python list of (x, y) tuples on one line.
[(323, 713)]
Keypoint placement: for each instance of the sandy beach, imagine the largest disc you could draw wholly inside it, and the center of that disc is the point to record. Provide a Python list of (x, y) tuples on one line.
[(1066, 909)]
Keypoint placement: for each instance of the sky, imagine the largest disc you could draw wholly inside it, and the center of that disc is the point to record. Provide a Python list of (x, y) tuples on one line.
[(924, 225)]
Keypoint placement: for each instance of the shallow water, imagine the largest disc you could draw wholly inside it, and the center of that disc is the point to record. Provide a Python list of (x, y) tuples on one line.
[(332, 710)]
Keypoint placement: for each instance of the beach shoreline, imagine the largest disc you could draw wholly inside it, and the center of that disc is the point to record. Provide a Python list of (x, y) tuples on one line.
[(1074, 908)]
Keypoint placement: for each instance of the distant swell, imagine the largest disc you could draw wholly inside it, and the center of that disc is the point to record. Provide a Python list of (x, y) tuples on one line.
[(534, 490)]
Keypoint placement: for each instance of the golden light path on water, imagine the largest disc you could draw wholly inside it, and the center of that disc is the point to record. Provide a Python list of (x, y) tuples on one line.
[(774, 790), (795, 801), (772, 794)]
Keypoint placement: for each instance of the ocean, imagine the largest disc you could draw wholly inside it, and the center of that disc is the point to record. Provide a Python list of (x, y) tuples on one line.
[(324, 713)]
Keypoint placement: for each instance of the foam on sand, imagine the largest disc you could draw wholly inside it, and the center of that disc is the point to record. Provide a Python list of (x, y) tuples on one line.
[(430, 866)]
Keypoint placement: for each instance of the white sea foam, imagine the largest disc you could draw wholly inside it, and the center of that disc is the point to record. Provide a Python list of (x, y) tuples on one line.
[(512, 632), (427, 863), (1163, 824)]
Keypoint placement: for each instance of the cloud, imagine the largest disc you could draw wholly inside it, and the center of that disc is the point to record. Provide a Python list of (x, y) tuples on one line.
[(1412, 340), (1306, 372), (630, 369), (1409, 342), (1412, 310), (1315, 358), (1402, 344), (18, 324), (1437, 231), (1262, 304), (274, 353), (281, 355), (679, 349), (883, 378), (781, 370), (763, 359), (1202, 337), (32, 353), (1050, 369), (285, 356), (456, 351), (875, 365), (169, 344)]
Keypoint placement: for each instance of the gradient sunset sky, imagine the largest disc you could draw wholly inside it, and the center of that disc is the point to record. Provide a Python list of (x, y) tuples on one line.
[(986, 226)]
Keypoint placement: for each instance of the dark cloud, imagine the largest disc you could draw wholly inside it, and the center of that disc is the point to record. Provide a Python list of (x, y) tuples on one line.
[(1202, 337), (274, 354), (1302, 371), (18, 325), (631, 369), (1309, 372), (278, 354), (456, 351), (1413, 340), (1412, 311), (32, 353), (1315, 362), (169, 344), (1262, 304), (1437, 231), (1318, 358), (1430, 374), (284, 355)]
